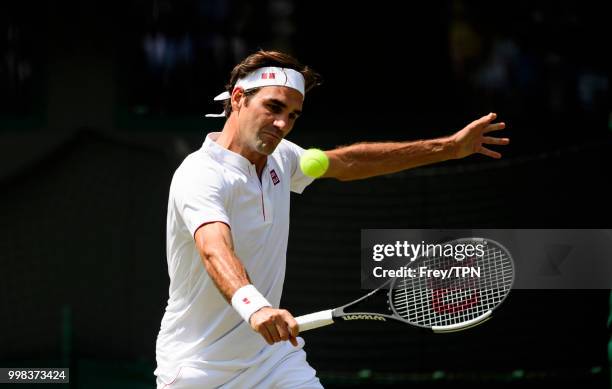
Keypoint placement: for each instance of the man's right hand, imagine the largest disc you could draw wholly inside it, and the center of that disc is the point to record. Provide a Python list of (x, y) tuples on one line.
[(275, 325)]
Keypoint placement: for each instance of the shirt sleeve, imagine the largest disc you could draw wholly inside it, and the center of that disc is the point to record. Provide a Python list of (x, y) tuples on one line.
[(200, 198), (292, 154)]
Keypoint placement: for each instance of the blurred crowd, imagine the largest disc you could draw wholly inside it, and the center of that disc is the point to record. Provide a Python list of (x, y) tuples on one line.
[(530, 59), (525, 58)]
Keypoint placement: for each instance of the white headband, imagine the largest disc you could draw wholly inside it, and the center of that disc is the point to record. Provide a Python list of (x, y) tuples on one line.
[(268, 76)]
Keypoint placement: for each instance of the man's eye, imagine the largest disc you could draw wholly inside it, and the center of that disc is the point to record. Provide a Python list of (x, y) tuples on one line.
[(274, 108)]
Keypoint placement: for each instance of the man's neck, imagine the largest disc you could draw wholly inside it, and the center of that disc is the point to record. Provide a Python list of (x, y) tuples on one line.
[(230, 139)]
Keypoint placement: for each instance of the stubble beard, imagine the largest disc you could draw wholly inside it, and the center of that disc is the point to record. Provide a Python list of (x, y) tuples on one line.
[(264, 147)]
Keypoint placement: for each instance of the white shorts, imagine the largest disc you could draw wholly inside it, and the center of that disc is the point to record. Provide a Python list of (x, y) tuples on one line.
[(281, 370)]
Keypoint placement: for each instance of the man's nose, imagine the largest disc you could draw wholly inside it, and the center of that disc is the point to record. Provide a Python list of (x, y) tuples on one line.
[(280, 123)]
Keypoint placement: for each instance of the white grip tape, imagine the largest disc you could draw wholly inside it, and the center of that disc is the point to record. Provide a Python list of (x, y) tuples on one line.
[(314, 320), (247, 300)]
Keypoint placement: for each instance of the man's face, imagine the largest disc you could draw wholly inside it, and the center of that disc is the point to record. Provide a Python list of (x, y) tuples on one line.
[(268, 116)]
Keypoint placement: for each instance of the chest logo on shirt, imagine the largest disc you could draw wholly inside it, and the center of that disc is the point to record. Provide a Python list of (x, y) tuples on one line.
[(275, 178)]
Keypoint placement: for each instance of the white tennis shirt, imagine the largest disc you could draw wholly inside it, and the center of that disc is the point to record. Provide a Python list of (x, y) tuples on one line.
[(199, 328)]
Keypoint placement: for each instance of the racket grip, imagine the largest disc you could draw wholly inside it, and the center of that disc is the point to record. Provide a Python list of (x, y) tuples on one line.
[(314, 320)]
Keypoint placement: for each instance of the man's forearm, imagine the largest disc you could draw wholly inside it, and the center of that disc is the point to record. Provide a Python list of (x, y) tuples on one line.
[(214, 242), (226, 271), (216, 248), (363, 160), (228, 274)]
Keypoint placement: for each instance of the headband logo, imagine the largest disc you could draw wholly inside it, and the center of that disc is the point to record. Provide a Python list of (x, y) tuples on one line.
[(268, 76)]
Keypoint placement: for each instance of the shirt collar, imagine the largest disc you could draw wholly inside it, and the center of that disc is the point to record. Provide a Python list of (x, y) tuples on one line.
[(225, 156)]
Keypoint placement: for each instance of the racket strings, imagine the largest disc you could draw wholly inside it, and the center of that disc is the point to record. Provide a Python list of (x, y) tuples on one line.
[(435, 301)]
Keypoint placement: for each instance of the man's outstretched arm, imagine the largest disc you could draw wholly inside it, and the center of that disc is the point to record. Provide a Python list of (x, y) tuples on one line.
[(216, 248), (363, 160)]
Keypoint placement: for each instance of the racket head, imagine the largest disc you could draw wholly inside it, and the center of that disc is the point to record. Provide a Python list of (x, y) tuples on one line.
[(455, 303)]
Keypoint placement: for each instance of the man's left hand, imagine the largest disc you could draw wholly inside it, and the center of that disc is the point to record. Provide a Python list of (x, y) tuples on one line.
[(472, 138)]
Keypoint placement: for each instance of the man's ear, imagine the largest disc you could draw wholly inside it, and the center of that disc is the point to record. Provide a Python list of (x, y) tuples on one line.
[(237, 95)]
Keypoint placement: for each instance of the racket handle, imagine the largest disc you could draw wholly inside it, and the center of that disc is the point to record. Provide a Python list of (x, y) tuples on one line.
[(314, 320)]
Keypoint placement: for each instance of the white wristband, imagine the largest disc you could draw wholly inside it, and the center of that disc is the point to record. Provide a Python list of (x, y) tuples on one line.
[(247, 300)]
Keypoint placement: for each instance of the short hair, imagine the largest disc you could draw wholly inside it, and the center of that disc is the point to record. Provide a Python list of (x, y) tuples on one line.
[(268, 58)]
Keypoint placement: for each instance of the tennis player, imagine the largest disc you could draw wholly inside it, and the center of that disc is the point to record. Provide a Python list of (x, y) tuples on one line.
[(228, 227)]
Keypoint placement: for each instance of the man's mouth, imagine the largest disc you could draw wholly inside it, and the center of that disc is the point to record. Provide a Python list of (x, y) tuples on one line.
[(272, 135)]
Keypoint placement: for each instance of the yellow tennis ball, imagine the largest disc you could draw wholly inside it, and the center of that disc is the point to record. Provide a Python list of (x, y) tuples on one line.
[(314, 163)]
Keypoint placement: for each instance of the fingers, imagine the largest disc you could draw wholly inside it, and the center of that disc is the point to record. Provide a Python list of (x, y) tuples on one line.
[(294, 330), (281, 329), (494, 127), (265, 333), (471, 138), (293, 341), (487, 118), (489, 153), (274, 330), (495, 141), (288, 328), (486, 124), (275, 325)]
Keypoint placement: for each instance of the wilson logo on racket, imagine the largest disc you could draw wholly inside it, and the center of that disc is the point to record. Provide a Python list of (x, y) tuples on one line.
[(363, 317)]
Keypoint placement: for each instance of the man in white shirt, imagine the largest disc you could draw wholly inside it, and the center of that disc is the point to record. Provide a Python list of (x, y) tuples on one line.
[(228, 227)]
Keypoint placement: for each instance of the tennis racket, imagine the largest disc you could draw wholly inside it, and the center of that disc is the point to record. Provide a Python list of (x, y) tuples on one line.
[(436, 303)]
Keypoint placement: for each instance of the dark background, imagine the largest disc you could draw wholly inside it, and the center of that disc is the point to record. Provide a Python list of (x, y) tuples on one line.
[(100, 102)]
